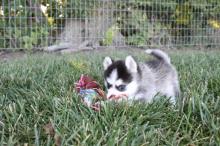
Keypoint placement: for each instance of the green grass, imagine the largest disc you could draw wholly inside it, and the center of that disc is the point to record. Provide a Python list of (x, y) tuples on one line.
[(40, 89)]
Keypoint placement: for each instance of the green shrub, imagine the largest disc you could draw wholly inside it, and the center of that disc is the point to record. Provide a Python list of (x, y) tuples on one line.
[(25, 25)]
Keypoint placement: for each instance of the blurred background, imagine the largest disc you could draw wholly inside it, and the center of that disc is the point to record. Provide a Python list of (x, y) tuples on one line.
[(53, 25)]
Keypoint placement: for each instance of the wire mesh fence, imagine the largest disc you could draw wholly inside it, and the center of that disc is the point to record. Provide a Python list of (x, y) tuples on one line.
[(58, 24)]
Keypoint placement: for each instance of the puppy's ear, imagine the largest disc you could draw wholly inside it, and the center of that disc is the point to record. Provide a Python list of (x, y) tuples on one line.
[(131, 64), (107, 62)]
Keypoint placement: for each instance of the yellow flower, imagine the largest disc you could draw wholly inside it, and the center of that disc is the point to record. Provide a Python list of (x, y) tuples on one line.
[(1, 11), (79, 65), (214, 24), (50, 20)]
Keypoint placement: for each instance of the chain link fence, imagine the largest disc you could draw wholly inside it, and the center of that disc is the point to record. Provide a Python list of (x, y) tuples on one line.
[(79, 24)]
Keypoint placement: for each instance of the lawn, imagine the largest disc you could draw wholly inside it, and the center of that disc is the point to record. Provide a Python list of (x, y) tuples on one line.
[(39, 89)]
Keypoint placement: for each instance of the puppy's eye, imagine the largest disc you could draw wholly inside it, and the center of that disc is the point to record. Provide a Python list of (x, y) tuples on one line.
[(109, 85), (121, 88)]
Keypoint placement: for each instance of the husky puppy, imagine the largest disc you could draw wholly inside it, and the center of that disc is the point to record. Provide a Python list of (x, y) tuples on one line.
[(142, 81)]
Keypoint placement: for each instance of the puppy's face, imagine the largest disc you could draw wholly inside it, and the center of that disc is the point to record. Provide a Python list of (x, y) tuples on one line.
[(120, 76)]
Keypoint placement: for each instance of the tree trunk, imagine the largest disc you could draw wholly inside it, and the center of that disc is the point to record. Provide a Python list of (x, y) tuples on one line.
[(36, 13)]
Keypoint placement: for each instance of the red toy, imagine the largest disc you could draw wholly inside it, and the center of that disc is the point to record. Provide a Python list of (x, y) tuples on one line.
[(90, 91)]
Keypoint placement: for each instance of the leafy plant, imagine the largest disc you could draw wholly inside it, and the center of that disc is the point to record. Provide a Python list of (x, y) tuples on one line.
[(21, 19)]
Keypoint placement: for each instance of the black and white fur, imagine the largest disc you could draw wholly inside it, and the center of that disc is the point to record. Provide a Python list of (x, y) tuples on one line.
[(142, 81)]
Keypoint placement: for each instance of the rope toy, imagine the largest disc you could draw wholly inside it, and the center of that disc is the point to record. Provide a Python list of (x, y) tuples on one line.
[(90, 92)]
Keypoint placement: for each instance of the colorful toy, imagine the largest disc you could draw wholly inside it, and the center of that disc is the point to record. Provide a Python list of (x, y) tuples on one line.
[(90, 91)]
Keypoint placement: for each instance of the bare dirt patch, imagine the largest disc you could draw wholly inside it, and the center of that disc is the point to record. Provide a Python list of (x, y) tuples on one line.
[(6, 55)]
